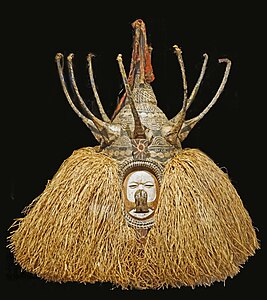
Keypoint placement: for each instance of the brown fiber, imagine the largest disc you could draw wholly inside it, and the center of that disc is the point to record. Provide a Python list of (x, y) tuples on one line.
[(75, 230)]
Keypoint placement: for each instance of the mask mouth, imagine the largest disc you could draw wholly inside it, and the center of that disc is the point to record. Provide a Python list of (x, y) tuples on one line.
[(141, 215)]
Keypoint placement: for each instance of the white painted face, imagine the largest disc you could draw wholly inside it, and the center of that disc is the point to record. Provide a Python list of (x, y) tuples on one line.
[(141, 180)]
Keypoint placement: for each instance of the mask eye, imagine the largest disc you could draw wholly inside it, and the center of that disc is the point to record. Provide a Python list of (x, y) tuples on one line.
[(149, 185), (133, 185)]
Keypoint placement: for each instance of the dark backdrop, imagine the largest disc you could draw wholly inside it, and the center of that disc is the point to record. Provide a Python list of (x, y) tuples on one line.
[(41, 130)]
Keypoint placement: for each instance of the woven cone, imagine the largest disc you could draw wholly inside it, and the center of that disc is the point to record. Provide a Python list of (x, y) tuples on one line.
[(75, 230)]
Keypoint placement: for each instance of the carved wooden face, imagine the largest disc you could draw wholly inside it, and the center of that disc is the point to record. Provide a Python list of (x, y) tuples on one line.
[(140, 193)]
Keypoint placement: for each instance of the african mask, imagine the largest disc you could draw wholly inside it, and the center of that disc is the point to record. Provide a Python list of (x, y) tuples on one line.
[(138, 211)]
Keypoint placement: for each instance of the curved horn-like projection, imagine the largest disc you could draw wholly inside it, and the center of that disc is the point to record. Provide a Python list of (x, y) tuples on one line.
[(139, 132), (89, 123), (189, 124), (92, 80), (171, 129), (200, 78), (178, 52), (178, 128), (75, 87), (104, 132), (193, 94)]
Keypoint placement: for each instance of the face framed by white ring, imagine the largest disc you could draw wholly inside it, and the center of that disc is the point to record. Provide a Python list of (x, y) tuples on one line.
[(140, 193)]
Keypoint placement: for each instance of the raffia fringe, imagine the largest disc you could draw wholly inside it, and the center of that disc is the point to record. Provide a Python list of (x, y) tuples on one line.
[(75, 230)]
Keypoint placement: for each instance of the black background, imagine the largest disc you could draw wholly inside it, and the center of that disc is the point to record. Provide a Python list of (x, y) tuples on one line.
[(40, 129)]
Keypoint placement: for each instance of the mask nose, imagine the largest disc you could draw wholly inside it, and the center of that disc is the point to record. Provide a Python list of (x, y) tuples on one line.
[(140, 198)]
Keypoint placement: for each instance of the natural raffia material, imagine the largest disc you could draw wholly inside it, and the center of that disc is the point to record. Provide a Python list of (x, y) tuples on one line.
[(76, 230), (137, 211)]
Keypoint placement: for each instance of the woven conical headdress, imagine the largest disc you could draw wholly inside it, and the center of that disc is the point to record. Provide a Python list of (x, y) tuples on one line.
[(138, 210)]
